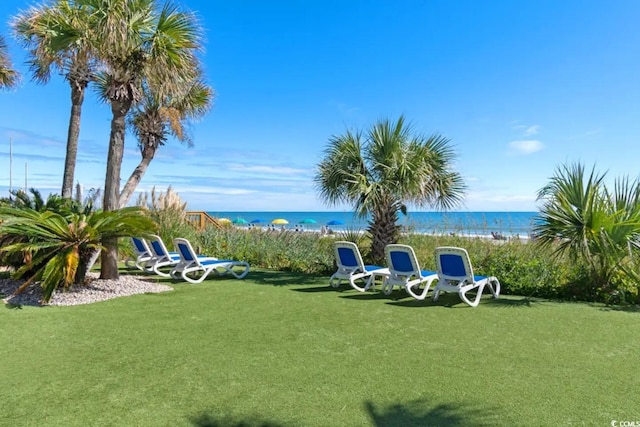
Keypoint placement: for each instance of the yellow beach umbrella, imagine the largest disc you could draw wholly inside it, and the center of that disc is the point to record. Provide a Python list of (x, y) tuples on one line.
[(224, 220), (280, 221)]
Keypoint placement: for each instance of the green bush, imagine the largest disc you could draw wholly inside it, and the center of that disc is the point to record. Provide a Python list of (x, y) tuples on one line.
[(286, 251), (523, 267)]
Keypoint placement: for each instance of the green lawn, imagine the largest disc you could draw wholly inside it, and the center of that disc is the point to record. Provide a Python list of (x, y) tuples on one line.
[(282, 349)]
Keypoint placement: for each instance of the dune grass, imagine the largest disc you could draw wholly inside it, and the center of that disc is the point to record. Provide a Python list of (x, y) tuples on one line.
[(284, 349)]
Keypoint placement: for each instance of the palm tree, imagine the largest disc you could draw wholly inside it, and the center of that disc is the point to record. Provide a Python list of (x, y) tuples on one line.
[(57, 248), (154, 120), (8, 76), (57, 38), (137, 44), (21, 199), (581, 218), (382, 172)]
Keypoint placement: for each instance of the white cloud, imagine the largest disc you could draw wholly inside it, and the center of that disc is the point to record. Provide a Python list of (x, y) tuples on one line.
[(527, 130), (526, 146)]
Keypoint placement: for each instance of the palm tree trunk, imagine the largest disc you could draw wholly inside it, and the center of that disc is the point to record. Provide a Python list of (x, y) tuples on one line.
[(136, 176), (77, 98), (384, 230), (111, 202)]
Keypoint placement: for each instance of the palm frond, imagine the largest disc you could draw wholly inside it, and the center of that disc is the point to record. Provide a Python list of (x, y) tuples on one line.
[(8, 76)]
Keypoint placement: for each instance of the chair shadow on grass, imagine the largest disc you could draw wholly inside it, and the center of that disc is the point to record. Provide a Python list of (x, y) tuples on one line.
[(322, 288), (282, 278), (452, 300), (395, 296)]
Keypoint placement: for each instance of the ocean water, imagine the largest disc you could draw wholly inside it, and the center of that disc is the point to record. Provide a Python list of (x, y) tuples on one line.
[(465, 223)]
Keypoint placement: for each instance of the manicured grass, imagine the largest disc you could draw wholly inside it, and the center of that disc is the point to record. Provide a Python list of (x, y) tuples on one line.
[(283, 349)]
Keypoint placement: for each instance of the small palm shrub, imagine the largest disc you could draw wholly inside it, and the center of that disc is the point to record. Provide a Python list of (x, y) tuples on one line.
[(56, 249), (34, 201), (594, 226)]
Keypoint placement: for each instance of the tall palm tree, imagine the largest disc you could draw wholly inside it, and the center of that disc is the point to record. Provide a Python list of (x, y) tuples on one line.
[(582, 218), (137, 44), (57, 37), (154, 120), (8, 76), (380, 173)]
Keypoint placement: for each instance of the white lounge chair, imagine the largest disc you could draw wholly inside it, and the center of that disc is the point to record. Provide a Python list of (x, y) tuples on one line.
[(455, 274), (352, 268), (404, 271), (142, 253), (195, 268), (160, 257)]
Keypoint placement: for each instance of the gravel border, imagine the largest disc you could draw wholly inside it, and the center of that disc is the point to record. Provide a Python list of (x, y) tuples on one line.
[(95, 290)]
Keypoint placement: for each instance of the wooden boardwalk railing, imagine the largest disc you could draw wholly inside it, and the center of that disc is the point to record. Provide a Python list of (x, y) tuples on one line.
[(201, 219)]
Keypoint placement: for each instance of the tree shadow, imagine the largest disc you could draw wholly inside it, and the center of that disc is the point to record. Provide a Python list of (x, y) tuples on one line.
[(420, 413), (11, 306), (623, 308), (409, 414), (208, 420)]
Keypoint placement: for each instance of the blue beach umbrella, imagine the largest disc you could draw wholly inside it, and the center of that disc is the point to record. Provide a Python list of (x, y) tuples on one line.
[(335, 222), (308, 221), (257, 221)]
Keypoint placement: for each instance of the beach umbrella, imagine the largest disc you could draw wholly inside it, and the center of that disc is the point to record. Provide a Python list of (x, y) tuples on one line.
[(335, 222), (224, 220), (308, 221), (280, 221), (239, 221), (258, 221)]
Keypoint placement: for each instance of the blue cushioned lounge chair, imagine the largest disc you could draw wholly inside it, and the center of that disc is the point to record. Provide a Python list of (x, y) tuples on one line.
[(160, 257), (142, 253), (195, 268), (404, 271), (352, 268), (456, 275)]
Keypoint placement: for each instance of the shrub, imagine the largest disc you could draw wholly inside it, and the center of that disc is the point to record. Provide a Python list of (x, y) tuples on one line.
[(57, 248), (168, 211), (582, 219), (282, 250)]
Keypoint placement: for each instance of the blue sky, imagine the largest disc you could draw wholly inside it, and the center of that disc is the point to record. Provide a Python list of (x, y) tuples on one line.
[(519, 87)]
